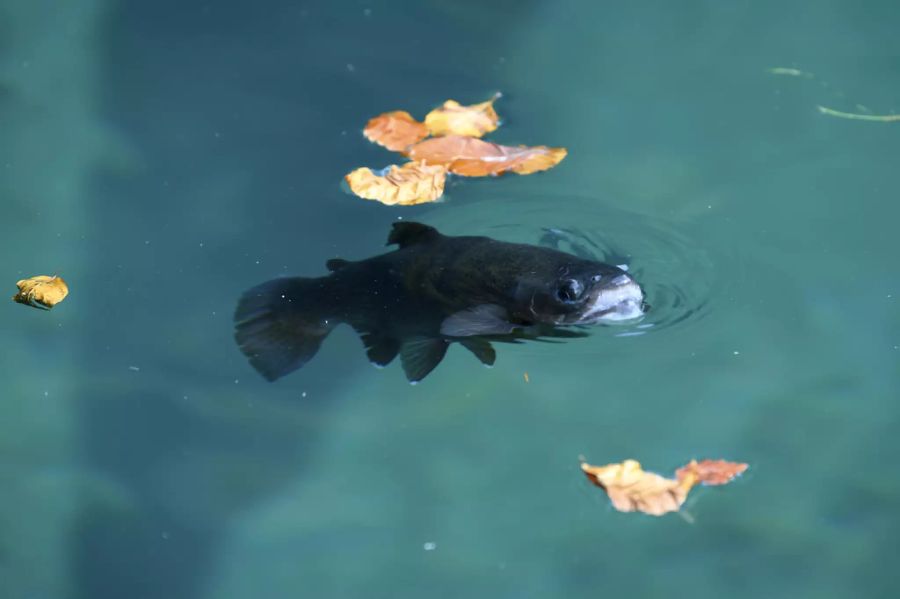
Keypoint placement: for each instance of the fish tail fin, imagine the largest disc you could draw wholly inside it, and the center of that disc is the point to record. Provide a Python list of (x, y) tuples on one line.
[(279, 325)]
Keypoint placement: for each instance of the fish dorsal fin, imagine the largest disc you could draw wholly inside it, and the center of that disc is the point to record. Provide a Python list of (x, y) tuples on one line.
[(408, 233), (485, 319), (481, 349), (336, 264), (420, 355)]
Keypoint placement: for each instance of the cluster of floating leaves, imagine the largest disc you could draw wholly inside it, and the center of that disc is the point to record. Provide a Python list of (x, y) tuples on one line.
[(631, 489), (448, 141), (41, 291)]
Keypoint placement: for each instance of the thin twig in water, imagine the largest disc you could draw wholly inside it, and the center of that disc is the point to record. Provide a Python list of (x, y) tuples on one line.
[(687, 516), (883, 118), (789, 72)]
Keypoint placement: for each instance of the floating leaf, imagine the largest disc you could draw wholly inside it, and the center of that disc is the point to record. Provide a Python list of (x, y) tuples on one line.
[(473, 157), (41, 291), (396, 130), (455, 119), (711, 472), (632, 489), (412, 183), (456, 149)]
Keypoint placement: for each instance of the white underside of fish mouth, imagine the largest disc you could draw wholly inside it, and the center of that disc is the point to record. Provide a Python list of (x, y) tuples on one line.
[(616, 304)]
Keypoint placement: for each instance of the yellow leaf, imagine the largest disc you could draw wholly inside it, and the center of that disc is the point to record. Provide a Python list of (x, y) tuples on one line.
[(471, 157), (41, 291), (412, 183), (632, 489), (455, 119), (396, 130)]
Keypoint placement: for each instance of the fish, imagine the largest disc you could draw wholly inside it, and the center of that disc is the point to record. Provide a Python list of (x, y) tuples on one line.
[(433, 290)]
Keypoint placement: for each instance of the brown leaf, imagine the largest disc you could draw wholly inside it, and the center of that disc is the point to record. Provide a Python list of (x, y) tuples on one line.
[(412, 183), (455, 119), (473, 157), (711, 472), (631, 489), (396, 130), (41, 291)]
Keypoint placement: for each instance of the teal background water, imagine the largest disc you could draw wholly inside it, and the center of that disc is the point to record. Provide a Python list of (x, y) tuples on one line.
[(165, 156)]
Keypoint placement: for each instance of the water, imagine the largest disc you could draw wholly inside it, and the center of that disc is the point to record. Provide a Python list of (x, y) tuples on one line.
[(165, 156)]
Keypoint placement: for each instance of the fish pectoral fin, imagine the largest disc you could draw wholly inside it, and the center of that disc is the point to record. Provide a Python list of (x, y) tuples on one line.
[(420, 355), (481, 349), (380, 349), (486, 319)]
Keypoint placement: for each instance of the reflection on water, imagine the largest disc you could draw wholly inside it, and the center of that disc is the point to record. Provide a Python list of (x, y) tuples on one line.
[(163, 157)]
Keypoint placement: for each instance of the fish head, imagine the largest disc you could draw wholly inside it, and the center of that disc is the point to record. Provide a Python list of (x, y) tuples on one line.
[(587, 293)]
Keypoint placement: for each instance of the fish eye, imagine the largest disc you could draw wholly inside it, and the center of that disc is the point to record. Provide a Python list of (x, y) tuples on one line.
[(596, 278), (569, 290)]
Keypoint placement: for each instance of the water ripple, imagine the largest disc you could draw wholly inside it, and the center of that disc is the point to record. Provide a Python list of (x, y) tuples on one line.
[(677, 273)]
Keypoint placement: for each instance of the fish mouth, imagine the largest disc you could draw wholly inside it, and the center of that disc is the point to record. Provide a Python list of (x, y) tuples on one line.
[(621, 300)]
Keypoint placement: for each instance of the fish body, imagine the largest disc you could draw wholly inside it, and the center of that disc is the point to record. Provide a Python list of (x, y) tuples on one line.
[(431, 291)]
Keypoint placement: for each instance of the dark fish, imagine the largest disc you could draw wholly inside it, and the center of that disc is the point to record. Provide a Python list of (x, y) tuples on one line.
[(432, 291)]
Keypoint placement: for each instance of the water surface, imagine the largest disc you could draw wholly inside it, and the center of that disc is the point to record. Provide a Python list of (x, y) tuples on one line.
[(165, 156)]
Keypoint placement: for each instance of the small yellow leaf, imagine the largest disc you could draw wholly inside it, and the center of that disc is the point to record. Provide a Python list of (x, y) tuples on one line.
[(455, 119), (396, 130), (631, 489), (41, 291), (471, 157), (412, 183)]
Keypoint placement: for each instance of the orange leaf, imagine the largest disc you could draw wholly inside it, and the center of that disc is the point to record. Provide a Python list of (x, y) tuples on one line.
[(396, 130), (455, 119), (41, 291), (412, 183), (631, 489), (711, 472), (473, 157)]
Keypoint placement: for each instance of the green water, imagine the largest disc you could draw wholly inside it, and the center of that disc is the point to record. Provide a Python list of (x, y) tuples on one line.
[(165, 156)]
